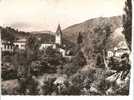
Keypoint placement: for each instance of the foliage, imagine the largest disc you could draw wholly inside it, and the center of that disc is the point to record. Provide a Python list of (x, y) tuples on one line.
[(99, 40), (11, 34), (80, 38), (23, 61), (32, 48), (95, 48), (78, 61), (32, 63), (50, 59), (98, 83), (8, 34), (8, 71), (49, 87), (127, 22)]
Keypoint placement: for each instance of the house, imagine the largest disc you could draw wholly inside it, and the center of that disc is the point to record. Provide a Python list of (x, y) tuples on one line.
[(120, 51), (44, 46), (110, 54), (47, 40), (62, 51), (20, 43), (6, 46), (117, 52)]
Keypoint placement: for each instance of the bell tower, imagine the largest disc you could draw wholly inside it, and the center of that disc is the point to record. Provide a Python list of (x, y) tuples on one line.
[(58, 36)]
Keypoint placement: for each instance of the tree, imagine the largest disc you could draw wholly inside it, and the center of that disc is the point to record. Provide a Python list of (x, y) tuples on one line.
[(127, 25), (8, 34), (32, 47), (100, 40), (26, 65), (78, 61), (79, 39), (127, 22), (32, 51)]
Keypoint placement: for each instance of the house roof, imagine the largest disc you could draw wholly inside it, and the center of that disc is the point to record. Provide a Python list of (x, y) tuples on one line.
[(22, 40), (6, 42)]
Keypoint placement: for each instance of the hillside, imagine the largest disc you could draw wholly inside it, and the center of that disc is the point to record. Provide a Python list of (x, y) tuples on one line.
[(72, 32), (97, 34)]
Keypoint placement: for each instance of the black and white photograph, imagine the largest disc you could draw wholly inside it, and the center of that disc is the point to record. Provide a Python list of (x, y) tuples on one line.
[(66, 47)]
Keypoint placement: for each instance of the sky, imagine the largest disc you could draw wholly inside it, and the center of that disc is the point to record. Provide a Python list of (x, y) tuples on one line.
[(39, 15)]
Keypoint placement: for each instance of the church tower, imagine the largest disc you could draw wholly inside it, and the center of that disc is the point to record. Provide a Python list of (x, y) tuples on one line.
[(58, 36)]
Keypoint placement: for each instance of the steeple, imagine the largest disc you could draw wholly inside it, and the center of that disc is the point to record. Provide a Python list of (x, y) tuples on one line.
[(58, 30), (58, 35)]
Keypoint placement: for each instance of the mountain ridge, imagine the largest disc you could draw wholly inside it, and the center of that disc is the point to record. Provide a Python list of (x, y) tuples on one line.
[(72, 31)]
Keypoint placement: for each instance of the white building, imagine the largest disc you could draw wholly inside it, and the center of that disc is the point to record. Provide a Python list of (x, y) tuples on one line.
[(6, 46), (44, 46), (20, 44), (119, 52), (110, 54), (121, 49), (62, 51)]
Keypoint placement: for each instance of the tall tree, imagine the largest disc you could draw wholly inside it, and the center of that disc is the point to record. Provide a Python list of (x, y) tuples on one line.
[(32, 47), (32, 50), (79, 39), (127, 22)]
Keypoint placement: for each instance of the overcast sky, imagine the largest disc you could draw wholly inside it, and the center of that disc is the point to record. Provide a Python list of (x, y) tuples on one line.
[(36, 15)]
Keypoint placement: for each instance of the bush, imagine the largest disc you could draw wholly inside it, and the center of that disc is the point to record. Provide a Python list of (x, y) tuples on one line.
[(49, 87), (8, 71)]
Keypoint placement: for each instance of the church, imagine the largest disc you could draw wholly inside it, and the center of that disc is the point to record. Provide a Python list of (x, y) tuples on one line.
[(56, 42)]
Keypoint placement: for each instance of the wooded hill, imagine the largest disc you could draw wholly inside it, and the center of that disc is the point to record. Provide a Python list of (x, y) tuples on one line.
[(97, 34), (71, 32)]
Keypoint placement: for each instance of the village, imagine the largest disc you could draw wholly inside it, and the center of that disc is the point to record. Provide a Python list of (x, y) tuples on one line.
[(88, 55), (114, 57), (20, 44), (58, 44)]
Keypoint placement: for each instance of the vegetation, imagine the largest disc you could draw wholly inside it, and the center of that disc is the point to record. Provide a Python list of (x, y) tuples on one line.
[(47, 72), (127, 22), (10, 34)]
